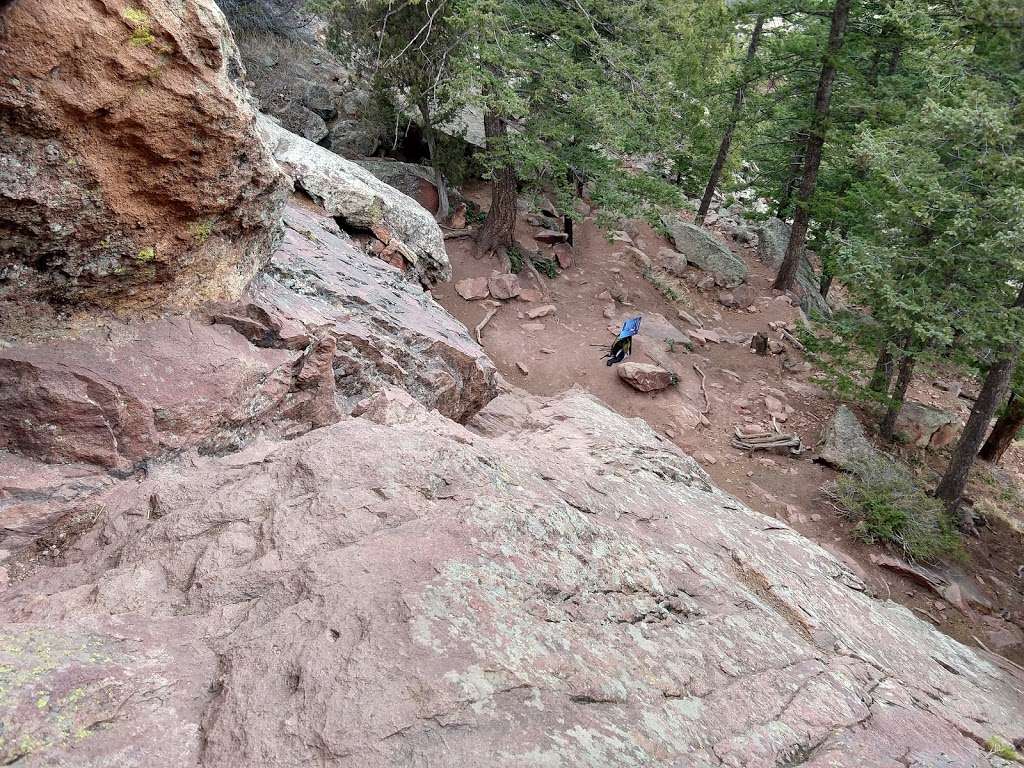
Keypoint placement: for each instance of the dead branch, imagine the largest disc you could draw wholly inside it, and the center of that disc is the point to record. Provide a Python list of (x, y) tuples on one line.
[(703, 390), (485, 321), (787, 336), (768, 441)]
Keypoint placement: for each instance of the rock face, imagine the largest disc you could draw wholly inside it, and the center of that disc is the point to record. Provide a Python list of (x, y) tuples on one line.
[(645, 377), (700, 248), (772, 239), (130, 392), (361, 200), (131, 173), (557, 587)]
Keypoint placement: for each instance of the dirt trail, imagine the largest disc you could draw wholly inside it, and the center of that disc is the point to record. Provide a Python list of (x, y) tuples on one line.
[(564, 350)]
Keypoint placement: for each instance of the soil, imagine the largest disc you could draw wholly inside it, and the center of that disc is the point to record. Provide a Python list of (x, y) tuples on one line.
[(550, 354)]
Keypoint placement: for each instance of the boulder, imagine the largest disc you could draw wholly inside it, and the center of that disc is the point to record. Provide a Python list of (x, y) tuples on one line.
[(319, 99), (131, 174), (351, 138), (645, 377), (302, 122), (561, 587), (503, 286), (925, 426), (702, 249), (564, 254), (416, 181), (361, 200), (844, 444), (472, 288), (772, 240)]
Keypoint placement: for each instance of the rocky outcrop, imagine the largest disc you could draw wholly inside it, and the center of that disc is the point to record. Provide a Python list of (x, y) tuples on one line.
[(645, 377), (131, 173), (702, 249), (566, 589), (772, 240), (360, 200), (320, 327)]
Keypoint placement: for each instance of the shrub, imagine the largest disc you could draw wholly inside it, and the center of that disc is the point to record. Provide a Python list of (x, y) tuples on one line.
[(888, 507), (1003, 749)]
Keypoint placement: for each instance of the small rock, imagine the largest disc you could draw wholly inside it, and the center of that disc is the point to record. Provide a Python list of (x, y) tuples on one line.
[(542, 311), (472, 288), (609, 311), (726, 299), (503, 286), (815, 518), (706, 283), (563, 253), (547, 350), (645, 377), (707, 458), (697, 336), (550, 236), (776, 347), (604, 295), (773, 404), (684, 315), (522, 368), (619, 236)]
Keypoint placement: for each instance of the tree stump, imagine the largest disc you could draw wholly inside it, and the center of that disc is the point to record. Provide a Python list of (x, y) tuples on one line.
[(760, 343)]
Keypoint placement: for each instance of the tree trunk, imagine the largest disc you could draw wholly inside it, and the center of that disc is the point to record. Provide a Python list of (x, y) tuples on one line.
[(786, 278), (899, 393), (497, 232), (430, 136), (730, 128), (881, 378), (1005, 431), (825, 284), (993, 392)]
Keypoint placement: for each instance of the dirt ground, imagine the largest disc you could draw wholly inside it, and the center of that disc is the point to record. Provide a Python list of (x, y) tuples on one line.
[(607, 284)]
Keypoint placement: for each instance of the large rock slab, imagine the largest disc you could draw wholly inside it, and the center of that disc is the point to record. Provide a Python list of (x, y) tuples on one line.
[(389, 332), (645, 377), (395, 589), (702, 249), (772, 240), (131, 173), (360, 199)]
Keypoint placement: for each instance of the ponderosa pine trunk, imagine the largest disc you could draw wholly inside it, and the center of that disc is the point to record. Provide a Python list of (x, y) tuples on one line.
[(796, 163), (993, 392), (1007, 427), (498, 230), (730, 128), (790, 266), (899, 394), (881, 377)]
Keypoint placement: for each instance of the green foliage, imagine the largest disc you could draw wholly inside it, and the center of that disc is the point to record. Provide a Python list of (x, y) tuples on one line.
[(889, 508), (139, 21), (200, 231), (146, 254), (547, 267), (517, 259), (1002, 748)]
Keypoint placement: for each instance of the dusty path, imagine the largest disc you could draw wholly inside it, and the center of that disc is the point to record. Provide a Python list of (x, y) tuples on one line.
[(563, 350)]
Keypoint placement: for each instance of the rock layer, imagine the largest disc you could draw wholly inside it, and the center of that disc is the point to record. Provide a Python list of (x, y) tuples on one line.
[(560, 587), (131, 173), (360, 200)]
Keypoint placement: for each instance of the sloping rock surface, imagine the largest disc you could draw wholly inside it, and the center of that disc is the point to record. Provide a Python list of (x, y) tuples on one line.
[(844, 445), (397, 589), (319, 328), (360, 199), (703, 250), (772, 240), (131, 173)]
